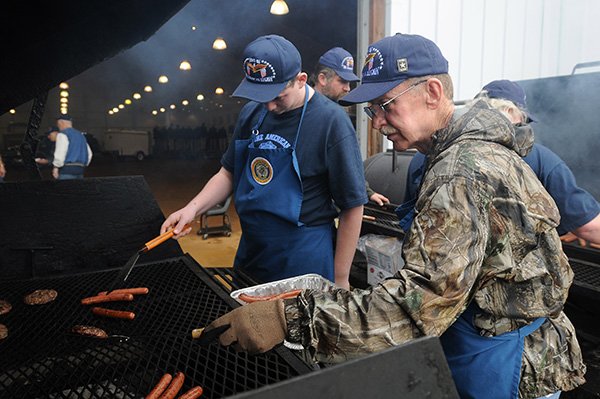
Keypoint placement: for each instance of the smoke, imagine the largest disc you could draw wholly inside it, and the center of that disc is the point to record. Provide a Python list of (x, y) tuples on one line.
[(566, 108)]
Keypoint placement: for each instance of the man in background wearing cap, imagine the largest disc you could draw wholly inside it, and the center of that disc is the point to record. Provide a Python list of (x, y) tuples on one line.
[(484, 268), (293, 160), (332, 77), (71, 153), (579, 210), (334, 73)]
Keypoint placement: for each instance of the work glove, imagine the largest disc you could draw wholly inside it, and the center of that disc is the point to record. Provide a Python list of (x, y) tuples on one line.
[(254, 328)]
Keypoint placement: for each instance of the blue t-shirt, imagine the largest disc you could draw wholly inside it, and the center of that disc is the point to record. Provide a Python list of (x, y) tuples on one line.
[(329, 159), (576, 206)]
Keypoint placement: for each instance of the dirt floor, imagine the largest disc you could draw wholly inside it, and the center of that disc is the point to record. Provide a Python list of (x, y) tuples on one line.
[(173, 183)]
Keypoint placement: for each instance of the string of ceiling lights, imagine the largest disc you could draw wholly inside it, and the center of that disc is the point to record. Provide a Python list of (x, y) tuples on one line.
[(278, 7)]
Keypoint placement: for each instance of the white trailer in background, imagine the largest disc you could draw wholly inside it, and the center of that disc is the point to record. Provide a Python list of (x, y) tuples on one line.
[(125, 143)]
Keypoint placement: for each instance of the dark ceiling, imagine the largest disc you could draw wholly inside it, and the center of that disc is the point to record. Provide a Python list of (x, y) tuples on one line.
[(113, 48)]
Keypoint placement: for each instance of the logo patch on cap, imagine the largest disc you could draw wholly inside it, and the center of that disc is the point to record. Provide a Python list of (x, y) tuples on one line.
[(259, 71), (348, 63), (373, 63), (402, 64), (262, 171)]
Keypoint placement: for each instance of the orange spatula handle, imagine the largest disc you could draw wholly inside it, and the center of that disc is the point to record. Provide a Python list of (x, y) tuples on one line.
[(160, 239)]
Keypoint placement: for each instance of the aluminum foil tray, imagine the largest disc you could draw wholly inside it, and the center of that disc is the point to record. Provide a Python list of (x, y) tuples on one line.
[(305, 282)]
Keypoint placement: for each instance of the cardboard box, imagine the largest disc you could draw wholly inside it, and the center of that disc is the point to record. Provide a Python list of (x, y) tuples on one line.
[(384, 256)]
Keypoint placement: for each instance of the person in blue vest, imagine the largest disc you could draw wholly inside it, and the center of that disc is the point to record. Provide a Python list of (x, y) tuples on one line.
[(332, 77), (484, 267), (293, 160), (579, 210), (72, 154)]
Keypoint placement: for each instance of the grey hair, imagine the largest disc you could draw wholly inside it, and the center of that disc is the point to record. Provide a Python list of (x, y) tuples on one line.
[(444, 78), (502, 105)]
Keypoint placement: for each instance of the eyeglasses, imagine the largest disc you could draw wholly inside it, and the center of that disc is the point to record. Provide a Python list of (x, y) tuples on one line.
[(374, 109)]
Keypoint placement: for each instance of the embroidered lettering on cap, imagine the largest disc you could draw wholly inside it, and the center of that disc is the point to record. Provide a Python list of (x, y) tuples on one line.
[(348, 63), (373, 62), (259, 71), (402, 64), (262, 171)]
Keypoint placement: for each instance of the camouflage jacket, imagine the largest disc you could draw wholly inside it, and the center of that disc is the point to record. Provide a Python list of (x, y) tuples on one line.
[(484, 231)]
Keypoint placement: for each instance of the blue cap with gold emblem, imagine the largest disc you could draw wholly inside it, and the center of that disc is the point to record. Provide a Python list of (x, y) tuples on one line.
[(269, 63), (391, 61), (341, 62)]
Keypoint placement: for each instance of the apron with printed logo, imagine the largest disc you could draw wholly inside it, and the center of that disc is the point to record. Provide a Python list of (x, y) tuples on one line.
[(268, 195), (485, 367)]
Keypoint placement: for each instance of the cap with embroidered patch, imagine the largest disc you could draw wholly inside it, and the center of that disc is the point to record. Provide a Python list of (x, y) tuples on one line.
[(391, 61), (341, 62), (269, 63), (507, 90)]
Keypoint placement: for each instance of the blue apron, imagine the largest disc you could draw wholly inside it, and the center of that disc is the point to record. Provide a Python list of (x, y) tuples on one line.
[(485, 367), (268, 195)]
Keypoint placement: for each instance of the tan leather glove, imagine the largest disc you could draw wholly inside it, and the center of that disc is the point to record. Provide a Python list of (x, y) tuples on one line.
[(255, 328)]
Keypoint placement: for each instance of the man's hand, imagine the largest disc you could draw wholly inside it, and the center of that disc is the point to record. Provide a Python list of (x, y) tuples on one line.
[(570, 237), (255, 328), (55, 173), (379, 199)]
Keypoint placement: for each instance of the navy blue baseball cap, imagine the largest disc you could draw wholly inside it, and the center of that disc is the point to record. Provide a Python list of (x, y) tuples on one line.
[(341, 62), (269, 63), (65, 117), (391, 61), (507, 90)]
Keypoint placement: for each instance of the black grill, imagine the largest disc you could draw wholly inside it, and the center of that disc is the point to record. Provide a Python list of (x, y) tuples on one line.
[(41, 359), (586, 273), (385, 223)]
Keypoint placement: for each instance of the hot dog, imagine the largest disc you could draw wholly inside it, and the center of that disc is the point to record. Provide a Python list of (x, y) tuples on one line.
[(193, 393), (174, 387), (132, 291), (117, 314), (106, 298), (159, 388), (284, 295)]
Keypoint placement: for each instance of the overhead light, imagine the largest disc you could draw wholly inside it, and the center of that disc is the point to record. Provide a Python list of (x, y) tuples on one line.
[(219, 44), (63, 111), (185, 102), (279, 7), (121, 106), (185, 66), (137, 96), (162, 109), (172, 106), (200, 97), (110, 112), (148, 89), (64, 93), (115, 109), (219, 90), (154, 112), (64, 100), (163, 79), (193, 27), (127, 101), (12, 111), (64, 85)]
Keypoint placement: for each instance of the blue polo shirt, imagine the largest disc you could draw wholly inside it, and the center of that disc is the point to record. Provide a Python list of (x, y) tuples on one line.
[(576, 206)]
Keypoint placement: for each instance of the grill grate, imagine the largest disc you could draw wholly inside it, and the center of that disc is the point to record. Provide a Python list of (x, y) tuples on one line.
[(39, 359), (586, 273), (385, 223)]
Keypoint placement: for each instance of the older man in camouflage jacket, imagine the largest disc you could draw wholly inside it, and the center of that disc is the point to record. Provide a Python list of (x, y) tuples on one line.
[(484, 269)]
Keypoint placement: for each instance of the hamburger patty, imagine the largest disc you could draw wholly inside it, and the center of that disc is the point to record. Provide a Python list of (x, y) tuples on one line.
[(5, 306), (89, 331), (40, 297), (3, 331)]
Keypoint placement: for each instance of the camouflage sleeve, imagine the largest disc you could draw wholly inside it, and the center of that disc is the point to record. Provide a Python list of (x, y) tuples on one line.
[(443, 254)]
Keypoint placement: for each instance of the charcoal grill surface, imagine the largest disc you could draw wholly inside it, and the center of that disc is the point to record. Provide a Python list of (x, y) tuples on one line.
[(385, 223), (40, 359)]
